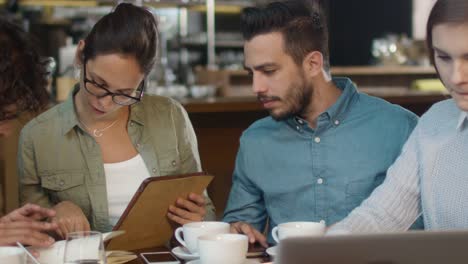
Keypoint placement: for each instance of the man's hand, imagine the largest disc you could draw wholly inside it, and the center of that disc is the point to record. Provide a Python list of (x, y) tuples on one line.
[(69, 218), (188, 210), (253, 234)]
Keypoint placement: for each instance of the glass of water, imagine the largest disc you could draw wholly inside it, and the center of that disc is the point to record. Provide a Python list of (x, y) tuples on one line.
[(85, 247)]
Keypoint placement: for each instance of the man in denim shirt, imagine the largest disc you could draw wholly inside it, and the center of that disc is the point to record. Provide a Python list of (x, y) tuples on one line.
[(325, 146)]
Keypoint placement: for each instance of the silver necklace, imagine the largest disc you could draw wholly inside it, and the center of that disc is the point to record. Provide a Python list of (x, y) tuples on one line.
[(98, 132)]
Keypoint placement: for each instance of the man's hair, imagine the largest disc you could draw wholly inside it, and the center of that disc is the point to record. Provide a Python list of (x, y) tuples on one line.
[(23, 76), (302, 26)]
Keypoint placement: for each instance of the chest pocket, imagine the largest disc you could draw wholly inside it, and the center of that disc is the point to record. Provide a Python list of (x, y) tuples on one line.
[(65, 186), (356, 192), (359, 190), (62, 181)]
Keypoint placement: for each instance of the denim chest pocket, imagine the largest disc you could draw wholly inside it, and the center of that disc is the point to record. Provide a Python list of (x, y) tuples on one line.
[(356, 192)]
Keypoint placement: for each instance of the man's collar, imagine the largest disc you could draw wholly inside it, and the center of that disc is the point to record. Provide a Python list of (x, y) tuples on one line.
[(461, 120), (341, 106), (338, 109)]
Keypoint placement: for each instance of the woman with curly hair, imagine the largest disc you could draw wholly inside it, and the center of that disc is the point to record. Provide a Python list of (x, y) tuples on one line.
[(23, 77), (22, 95)]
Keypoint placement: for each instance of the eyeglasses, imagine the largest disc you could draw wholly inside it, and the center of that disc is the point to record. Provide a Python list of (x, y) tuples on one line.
[(119, 98)]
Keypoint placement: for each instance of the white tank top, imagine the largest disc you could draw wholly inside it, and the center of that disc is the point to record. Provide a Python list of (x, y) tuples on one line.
[(122, 181)]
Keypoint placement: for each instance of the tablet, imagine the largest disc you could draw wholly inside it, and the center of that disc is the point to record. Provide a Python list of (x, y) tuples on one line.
[(145, 219)]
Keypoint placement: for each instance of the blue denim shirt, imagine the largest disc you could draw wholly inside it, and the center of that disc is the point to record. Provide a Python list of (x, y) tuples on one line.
[(287, 171)]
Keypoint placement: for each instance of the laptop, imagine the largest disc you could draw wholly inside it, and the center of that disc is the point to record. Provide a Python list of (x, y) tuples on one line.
[(412, 247)]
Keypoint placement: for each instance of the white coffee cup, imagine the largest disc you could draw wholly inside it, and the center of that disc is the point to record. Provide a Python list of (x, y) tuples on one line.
[(297, 229), (193, 230), (223, 248), (12, 255)]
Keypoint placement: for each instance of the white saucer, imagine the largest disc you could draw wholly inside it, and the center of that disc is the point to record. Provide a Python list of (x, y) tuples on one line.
[(247, 261), (272, 251), (184, 254)]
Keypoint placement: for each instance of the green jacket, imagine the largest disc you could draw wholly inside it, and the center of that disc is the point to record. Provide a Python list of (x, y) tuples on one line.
[(59, 161)]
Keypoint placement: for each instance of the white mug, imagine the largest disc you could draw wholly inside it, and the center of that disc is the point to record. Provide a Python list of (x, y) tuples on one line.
[(223, 248), (297, 229), (193, 230), (12, 255)]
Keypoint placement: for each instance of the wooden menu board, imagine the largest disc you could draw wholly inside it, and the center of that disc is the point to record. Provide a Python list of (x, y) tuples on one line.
[(145, 219)]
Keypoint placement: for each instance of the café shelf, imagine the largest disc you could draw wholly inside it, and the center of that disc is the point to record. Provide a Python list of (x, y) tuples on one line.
[(238, 82)]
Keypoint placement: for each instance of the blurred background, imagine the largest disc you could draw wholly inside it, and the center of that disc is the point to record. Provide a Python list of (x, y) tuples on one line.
[(379, 44), (201, 47)]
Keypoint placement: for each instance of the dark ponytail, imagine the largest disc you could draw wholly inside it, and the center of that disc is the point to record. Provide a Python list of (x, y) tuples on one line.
[(128, 30)]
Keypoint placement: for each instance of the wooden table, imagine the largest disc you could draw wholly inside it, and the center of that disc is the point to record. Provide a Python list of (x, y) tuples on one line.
[(262, 259), (140, 261)]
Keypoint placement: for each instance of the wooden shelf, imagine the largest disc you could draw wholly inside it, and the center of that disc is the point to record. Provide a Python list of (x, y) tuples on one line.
[(218, 43), (228, 7), (237, 82), (250, 103), (366, 70), (65, 3)]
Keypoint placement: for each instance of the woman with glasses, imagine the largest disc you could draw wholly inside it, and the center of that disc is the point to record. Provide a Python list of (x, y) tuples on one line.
[(87, 156)]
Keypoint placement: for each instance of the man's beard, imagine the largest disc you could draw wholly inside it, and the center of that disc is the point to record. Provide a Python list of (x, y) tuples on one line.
[(295, 102)]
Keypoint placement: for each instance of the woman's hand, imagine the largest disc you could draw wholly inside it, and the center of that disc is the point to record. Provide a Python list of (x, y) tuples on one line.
[(188, 210), (69, 218), (28, 213), (23, 225), (30, 233)]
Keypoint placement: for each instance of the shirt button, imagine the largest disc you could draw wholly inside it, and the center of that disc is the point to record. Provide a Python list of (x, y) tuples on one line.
[(319, 181), (174, 163), (317, 140), (154, 170), (131, 123), (138, 145), (337, 122), (61, 183)]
